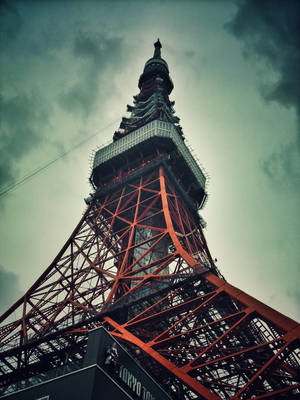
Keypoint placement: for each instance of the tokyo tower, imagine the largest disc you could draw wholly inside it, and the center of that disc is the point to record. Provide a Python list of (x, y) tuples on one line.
[(133, 306)]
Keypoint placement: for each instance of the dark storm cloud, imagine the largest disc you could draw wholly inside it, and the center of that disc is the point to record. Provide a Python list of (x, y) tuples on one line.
[(9, 289), (23, 111), (99, 57), (270, 30), (48, 61), (11, 23), (22, 118)]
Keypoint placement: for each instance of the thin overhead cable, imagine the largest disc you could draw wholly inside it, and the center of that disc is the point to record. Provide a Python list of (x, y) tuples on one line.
[(31, 174)]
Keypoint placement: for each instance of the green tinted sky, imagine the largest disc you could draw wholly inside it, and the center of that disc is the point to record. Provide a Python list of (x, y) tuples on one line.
[(68, 69)]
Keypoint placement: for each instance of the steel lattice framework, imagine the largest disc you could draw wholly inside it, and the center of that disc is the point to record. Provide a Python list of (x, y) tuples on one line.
[(138, 263)]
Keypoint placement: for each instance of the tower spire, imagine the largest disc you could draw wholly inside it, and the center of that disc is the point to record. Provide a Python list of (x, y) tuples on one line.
[(157, 46), (153, 100)]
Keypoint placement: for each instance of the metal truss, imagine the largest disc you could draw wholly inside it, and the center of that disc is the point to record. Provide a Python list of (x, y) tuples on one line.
[(138, 263)]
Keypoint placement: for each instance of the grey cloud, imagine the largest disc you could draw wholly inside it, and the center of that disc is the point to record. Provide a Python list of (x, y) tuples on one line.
[(270, 31), (294, 294), (283, 164), (99, 58), (9, 289), (189, 53)]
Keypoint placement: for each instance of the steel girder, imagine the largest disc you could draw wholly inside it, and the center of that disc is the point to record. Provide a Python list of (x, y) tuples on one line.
[(138, 263)]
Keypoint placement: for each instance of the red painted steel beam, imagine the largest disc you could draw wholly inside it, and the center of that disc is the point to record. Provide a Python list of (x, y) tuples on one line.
[(280, 320), (129, 337)]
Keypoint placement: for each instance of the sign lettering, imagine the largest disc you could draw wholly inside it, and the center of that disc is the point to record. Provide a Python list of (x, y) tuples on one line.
[(134, 384)]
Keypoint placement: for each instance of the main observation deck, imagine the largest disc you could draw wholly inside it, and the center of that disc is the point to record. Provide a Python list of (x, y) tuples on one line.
[(162, 136)]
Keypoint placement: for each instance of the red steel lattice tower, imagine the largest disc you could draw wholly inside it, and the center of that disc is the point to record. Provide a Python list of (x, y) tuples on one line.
[(138, 264)]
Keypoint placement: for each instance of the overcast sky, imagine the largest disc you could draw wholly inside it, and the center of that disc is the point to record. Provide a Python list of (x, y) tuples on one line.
[(68, 69)]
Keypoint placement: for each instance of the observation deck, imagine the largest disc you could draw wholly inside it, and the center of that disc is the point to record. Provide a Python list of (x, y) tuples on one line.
[(155, 135)]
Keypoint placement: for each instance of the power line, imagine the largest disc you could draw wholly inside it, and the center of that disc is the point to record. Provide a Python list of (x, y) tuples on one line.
[(31, 174)]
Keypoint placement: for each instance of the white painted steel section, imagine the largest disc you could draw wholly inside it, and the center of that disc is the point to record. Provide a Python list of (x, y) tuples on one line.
[(154, 128)]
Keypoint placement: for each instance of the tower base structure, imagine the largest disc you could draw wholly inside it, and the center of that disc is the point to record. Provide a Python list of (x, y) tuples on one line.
[(138, 264), (106, 372)]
